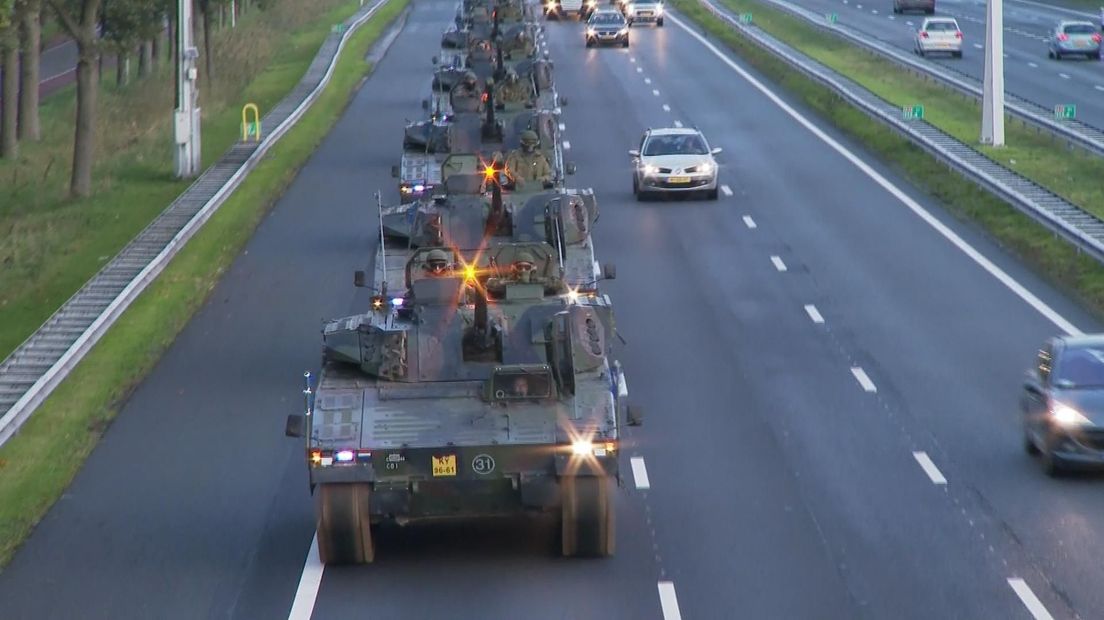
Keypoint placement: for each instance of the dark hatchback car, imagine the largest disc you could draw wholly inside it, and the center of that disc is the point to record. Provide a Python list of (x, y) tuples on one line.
[(607, 27), (1063, 404)]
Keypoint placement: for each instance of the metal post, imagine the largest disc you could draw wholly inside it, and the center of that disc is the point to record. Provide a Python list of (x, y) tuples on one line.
[(992, 108), (187, 120), (233, 14)]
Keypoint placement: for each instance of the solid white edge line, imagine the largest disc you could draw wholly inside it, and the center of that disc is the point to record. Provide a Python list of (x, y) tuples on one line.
[(1028, 598), (305, 595), (778, 264), (749, 222), (1008, 281), (640, 472), (929, 467), (813, 313), (727, 190), (863, 379), (668, 601)]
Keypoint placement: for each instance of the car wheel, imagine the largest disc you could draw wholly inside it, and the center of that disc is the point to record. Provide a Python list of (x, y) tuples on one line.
[(1057, 55), (711, 194), (920, 51), (636, 186), (1029, 444), (659, 22), (1095, 56), (929, 11), (589, 44), (957, 54), (1052, 466), (626, 43)]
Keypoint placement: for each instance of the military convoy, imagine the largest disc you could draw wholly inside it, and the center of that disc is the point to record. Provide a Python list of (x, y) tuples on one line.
[(480, 381)]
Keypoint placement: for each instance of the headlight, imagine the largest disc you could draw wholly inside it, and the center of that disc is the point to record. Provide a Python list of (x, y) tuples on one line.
[(659, 9), (624, 31), (629, 7), (585, 447), (590, 32), (1065, 415), (650, 169), (582, 447), (706, 168)]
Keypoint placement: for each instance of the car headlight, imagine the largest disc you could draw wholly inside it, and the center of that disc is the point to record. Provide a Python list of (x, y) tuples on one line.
[(1065, 415), (624, 31), (659, 9), (590, 32), (629, 7), (706, 168), (650, 169), (585, 447)]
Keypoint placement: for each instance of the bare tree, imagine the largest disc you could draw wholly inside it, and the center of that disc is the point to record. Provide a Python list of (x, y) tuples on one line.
[(79, 18), (30, 43), (9, 65)]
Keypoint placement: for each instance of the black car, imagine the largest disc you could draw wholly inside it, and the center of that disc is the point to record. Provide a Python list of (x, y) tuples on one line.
[(1063, 404), (607, 26)]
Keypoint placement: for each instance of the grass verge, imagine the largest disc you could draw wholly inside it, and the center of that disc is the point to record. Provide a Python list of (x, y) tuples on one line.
[(50, 245), (72, 419), (1077, 274)]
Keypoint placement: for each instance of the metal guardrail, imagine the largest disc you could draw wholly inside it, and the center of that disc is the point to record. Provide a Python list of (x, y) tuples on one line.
[(1078, 133), (1082, 229), (38, 365)]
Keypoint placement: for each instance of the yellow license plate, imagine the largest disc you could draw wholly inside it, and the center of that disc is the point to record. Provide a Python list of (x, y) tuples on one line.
[(444, 465), (678, 179)]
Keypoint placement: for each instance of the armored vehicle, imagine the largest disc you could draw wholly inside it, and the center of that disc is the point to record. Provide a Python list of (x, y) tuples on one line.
[(473, 394)]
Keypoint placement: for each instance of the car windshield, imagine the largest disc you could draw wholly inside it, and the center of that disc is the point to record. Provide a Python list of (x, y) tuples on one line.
[(942, 27), (1080, 368), (686, 144), (607, 19), (1079, 29)]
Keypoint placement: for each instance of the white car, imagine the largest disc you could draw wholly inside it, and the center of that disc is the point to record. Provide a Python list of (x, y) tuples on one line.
[(939, 34), (644, 11), (674, 161)]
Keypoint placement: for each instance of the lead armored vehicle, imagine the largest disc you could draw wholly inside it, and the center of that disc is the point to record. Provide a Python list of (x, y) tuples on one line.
[(472, 394)]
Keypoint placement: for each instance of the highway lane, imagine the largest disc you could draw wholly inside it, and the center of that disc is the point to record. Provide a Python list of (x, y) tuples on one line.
[(779, 488), (1028, 71), (942, 340), (780, 442)]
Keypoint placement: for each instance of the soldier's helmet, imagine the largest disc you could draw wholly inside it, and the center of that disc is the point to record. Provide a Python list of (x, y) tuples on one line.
[(437, 261), (470, 79), (524, 264), (511, 76), (529, 140)]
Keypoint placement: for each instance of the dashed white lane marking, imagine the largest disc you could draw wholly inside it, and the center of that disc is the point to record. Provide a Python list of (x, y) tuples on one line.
[(1063, 76), (1033, 65), (858, 6), (750, 223), (640, 472), (655, 92), (1098, 87), (666, 108), (566, 145), (813, 313), (727, 190), (303, 605), (864, 381), (1008, 281), (1032, 602), (977, 45), (929, 467), (647, 80), (874, 11), (563, 127), (668, 601), (893, 17), (778, 264), (632, 58), (678, 123), (909, 22), (640, 69)]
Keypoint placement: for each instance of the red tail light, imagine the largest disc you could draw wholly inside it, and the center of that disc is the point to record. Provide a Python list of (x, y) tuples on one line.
[(958, 35), (1063, 37), (923, 35), (1096, 37)]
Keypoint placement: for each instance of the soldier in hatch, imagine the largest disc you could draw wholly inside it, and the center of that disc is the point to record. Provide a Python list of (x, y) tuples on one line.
[(466, 96), (514, 90), (527, 164), (523, 267), (437, 264)]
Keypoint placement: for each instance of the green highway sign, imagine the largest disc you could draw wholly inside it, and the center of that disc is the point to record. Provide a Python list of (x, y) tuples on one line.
[(1065, 111), (831, 17), (745, 18), (338, 28), (914, 111)]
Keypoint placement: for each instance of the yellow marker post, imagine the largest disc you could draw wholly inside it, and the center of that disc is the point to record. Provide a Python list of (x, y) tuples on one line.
[(251, 129)]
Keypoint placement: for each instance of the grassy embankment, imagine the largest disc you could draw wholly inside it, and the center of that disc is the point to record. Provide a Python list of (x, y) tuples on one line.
[(38, 463), (50, 245), (1049, 162)]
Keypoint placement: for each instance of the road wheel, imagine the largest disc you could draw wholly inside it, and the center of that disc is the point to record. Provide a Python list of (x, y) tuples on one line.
[(957, 54), (588, 526), (659, 22), (929, 11), (589, 44), (1051, 466), (626, 43), (1057, 55), (920, 51), (344, 528), (711, 194), (1029, 444)]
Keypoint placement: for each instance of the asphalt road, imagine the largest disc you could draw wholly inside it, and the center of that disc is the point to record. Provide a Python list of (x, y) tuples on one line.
[(1028, 73), (57, 67), (779, 486)]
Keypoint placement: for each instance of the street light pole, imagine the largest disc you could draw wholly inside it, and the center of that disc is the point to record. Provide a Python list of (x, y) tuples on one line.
[(992, 108), (186, 129)]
